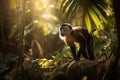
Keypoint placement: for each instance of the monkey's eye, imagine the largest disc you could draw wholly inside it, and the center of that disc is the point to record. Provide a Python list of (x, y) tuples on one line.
[(62, 28)]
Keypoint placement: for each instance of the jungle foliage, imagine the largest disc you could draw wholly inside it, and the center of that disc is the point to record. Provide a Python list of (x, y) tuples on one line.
[(30, 47)]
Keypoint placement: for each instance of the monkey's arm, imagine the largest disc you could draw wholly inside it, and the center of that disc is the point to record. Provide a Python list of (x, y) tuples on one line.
[(90, 48), (73, 50), (86, 45), (82, 51), (83, 44)]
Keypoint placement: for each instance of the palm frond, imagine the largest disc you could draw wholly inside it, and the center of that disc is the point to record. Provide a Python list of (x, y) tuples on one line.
[(95, 18), (67, 4), (87, 20), (99, 14), (94, 10)]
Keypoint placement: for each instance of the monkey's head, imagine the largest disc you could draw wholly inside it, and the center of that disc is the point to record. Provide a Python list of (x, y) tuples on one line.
[(65, 29)]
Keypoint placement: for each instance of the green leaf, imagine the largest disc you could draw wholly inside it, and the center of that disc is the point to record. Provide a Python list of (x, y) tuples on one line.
[(95, 10), (87, 21), (71, 8), (95, 18), (66, 6), (98, 46), (99, 14), (102, 4), (62, 4), (76, 6)]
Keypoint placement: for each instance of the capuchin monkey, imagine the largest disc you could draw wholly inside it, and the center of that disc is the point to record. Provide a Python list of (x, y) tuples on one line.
[(81, 36)]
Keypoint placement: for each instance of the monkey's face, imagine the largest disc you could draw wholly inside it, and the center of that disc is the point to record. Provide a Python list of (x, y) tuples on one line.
[(65, 30)]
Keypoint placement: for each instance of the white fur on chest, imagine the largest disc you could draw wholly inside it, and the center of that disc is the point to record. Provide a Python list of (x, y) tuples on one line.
[(68, 39)]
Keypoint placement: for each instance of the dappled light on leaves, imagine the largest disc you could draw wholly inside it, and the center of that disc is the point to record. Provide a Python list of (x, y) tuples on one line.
[(84, 78), (44, 63)]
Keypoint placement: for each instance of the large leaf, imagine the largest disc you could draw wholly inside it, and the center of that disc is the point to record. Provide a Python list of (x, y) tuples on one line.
[(99, 14), (87, 21), (62, 4), (73, 7), (93, 10), (64, 8), (70, 7), (95, 18)]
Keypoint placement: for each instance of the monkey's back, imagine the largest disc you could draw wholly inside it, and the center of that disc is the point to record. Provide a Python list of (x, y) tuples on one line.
[(81, 34)]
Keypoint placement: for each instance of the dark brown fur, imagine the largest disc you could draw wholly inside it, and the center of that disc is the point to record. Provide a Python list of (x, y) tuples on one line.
[(81, 36)]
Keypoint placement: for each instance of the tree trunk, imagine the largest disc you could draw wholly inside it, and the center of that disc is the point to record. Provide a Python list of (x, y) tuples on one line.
[(113, 64)]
